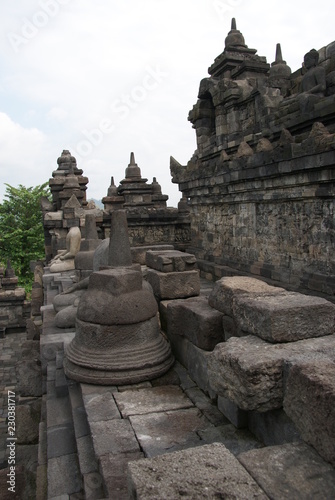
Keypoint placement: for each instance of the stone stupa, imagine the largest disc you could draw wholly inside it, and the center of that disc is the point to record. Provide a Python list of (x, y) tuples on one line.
[(118, 339)]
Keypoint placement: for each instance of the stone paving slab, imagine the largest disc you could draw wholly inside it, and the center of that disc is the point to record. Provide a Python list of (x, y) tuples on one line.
[(113, 436), (100, 407), (290, 471), (63, 476), (153, 399), (205, 472), (61, 440), (168, 431)]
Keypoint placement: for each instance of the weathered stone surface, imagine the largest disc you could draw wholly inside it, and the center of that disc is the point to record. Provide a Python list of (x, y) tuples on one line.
[(138, 254), (195, 360), (226, 290), (174, 285), (113, 436), (63, 300), (153, 399), (290, 471), (285, 317), (116, 296), (169, 261), (273, 427), (29, 375), (212, 472), (235, 440), (114, 471), (238, 417), (168, 431), (194, 319), (249, 371), (63, 476), (310, 402), (27, 422), (100, 407), (66, 318)]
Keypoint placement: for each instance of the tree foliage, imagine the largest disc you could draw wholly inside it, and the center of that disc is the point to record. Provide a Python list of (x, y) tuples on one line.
[(21, 229)]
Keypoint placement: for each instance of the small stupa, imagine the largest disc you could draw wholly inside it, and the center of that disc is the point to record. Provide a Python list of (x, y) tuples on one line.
[(118, 339)]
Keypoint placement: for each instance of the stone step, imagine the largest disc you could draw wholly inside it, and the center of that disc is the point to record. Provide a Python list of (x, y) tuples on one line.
[(63, 473), (89, 467)]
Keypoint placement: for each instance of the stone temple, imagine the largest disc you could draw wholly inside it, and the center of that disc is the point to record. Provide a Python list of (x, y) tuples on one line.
[(190, 352)]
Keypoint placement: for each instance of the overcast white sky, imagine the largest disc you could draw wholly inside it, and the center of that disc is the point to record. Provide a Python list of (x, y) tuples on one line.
[(103, 78)]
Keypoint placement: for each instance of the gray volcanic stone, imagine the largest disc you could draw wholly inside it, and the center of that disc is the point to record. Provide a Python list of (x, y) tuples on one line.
[(249, 371), (114, 471), (194, 319), (208, 471), (168, 431), (66, 318), (153, 399), (100, 407), (226, 290), (310, 402), (174, 285), (285, 317), (113, 436), (290, 471), (169, 261), (119, 253), (116, 296)]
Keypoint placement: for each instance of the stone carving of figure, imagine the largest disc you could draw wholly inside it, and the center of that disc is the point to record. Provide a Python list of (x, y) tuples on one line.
[(64, 261), (314, 80)]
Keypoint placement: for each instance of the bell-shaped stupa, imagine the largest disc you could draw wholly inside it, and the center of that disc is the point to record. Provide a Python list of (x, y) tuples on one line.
[(118, 339)]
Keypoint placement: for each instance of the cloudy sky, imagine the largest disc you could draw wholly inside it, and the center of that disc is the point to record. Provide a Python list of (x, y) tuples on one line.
[(103, 78)]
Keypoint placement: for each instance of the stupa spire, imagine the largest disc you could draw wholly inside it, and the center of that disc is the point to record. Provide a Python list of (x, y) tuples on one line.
[(235, 37), (133, 169)]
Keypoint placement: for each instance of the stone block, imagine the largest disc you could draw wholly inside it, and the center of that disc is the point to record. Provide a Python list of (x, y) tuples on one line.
[(174, 285), (310, 402), (64, 476), (100, 407), (238, 417), (249, 371), (273, 427), (235, 440), (114, 468), (27, 422), (226, 290), (208, 471), (153, 399), (61, 440), (168, 431), (195, 360), (113, 436), (29, 376), (285, 317), (169, 261), (86, 455), (138, 254), (194, 319), (290, 471)]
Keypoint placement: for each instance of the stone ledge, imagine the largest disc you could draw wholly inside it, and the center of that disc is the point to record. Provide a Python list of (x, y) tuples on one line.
[(249, 371)]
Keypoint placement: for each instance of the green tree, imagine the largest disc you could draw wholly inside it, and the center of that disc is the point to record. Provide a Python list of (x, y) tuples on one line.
[(21, 229)]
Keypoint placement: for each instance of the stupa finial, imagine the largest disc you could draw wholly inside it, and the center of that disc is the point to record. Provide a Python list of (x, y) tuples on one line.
[(235, 37), (133, 171), (279, 57)]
